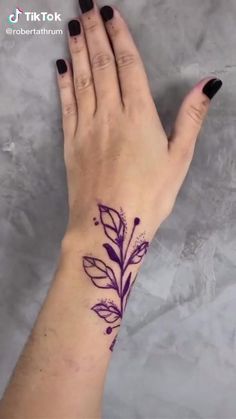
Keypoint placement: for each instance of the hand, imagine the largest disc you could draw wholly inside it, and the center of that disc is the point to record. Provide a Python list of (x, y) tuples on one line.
[(116, 150)]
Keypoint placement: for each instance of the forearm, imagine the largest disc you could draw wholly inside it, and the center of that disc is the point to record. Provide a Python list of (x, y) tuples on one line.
[(62, 369), (63, 366)]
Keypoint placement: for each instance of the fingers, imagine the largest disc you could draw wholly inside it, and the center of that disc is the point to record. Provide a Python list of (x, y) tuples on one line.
[(132, 76), (108, 70), (101, 55), (83, 80), (191, 117), (67, 95)]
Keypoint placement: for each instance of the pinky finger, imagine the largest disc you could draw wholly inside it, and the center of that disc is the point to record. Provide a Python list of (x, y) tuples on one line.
[(67, 95)]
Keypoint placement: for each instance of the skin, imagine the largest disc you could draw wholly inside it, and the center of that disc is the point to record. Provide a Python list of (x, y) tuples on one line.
[(116, 153)]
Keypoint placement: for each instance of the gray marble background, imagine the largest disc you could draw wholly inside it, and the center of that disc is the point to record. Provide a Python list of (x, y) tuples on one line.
[(176, 356)]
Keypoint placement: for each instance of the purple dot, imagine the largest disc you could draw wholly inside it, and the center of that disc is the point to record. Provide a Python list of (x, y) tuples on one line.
[(137, 221), (109, 330), (96, 223)]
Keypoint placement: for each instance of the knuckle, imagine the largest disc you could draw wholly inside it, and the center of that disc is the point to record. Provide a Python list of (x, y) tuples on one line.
[(108, 117), (101, 60), (69, 110), (117, 30), (91, 25), (197, 112), (77, 47), (126, 59), (65, 85), (83, 82)]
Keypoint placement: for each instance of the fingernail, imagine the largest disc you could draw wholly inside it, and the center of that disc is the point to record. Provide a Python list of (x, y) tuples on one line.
[(86, 5), (107, 13), (74, 28), (212, 87), (61, 66)]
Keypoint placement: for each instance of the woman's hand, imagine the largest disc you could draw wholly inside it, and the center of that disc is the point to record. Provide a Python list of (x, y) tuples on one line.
[(117, 154), (116, 150)]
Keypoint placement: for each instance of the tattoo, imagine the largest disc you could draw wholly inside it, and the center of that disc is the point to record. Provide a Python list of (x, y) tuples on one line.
[(119, 251)]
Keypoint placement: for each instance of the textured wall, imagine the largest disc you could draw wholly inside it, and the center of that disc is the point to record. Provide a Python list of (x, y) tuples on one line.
[(176, 356)]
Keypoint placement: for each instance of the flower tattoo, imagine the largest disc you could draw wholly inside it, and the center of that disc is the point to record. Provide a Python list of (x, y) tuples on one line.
[(119, 251)]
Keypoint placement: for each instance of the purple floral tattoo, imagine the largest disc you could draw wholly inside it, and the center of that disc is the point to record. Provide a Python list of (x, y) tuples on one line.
[(119, 251)]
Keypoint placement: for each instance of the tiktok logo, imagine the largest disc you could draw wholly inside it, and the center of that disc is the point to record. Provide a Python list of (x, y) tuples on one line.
[(34, 16), (14, 18)]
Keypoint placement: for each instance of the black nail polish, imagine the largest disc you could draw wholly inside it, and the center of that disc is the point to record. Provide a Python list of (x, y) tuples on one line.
[(61, 66), (212, 87), (74, 28), (86, 5), (107, 13)]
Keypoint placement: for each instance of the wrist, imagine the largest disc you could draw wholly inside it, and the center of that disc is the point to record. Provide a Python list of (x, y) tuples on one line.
[(103, 260)]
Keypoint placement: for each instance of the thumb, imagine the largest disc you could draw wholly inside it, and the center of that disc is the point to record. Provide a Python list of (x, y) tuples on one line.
[(191, 116)]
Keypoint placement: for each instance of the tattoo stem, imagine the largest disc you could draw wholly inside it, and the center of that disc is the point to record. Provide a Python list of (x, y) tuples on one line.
[(124, 264), (130, 240), (121, 279)]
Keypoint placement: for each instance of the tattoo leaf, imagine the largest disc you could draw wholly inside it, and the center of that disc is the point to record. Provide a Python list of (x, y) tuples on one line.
[(101, 275), (127, 285), (111, 253), (113, 224), (107, 311), (138, 253)]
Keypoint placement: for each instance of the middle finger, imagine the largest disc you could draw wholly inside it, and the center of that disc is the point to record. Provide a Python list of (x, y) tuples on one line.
[(101, 55)]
